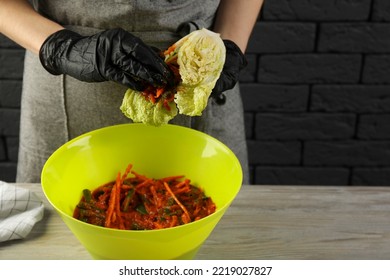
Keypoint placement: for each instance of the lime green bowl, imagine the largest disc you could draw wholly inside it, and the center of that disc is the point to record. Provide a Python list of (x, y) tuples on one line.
[(95, 158)]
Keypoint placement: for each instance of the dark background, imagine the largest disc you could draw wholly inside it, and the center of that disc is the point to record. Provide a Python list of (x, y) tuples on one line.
[(316, 94)]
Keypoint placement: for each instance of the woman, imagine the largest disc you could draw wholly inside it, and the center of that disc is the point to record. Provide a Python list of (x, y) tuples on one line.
[(90, 42)]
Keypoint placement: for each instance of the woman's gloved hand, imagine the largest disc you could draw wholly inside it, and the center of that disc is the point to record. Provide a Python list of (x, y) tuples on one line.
[(234, 63), (111, 55)]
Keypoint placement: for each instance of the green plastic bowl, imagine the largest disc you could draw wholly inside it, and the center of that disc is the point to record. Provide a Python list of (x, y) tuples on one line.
[(95, 158)]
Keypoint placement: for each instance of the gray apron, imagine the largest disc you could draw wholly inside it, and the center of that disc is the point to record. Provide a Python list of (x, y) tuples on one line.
[(56, 109)]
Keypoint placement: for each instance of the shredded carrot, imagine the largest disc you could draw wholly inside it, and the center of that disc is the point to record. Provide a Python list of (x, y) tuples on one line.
[(152, 99), (111, 203), (126, 173), (159, 92), (134, 202), (171, 178), (170, 49), (186, 214)]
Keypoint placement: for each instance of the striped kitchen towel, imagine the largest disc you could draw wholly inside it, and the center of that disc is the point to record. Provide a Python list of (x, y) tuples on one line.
[(20, 210)]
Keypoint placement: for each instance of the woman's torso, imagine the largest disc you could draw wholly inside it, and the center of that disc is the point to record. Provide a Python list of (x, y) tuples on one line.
[(58, 108), (152, 20)]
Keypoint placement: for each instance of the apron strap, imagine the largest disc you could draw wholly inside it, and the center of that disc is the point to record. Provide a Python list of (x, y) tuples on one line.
[(186, 28)]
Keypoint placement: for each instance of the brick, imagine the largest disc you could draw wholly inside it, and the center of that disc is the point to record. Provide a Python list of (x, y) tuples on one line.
[(12, 148), (347, 153), (374, 127), (371, 176), (11, 62), (9, 122), (249, 123), (8, 172), (275, 98), (279, 37), (316, 10), (304, 126), (376, 69), (10, 93), (274, 152), (248, 74), (354, 37), (309, 68), (351, 98), (301, 176), (251, 174), (381, 10), (3, 153)]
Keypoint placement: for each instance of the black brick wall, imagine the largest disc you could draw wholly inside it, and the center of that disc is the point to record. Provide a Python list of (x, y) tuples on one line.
[(316, 94), (11, 70)]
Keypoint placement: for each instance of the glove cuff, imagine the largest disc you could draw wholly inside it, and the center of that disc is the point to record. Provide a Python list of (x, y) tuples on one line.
[(233, 48), (55, 45)]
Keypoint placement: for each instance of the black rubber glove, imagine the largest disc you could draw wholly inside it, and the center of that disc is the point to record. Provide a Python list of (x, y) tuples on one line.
[(111, 55), (235, 61)]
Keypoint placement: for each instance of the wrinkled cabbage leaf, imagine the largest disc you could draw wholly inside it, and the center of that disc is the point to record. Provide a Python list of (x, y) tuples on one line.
[(200, 56), (137, 108)]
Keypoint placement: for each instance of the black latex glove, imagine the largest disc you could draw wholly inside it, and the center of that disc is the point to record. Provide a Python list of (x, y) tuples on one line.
[(111, 55), (235, 61)]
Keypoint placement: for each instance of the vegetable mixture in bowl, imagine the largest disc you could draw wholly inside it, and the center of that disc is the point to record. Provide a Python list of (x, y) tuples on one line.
[(142, 203)]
